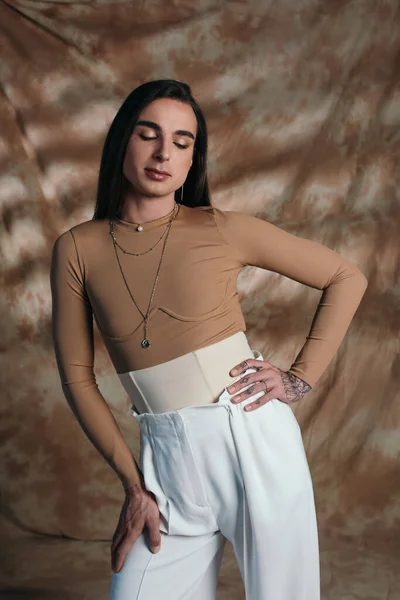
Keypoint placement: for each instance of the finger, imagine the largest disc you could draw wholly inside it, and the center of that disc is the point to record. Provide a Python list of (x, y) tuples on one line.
[(246, 364), (257, 403), (243, 381), (252, 363), (123, 549), (114, 548), (272, 394), (249, 362), (247, 380), (249, 393), (154, 536), (118, 534), (263, 385), (115, 562)]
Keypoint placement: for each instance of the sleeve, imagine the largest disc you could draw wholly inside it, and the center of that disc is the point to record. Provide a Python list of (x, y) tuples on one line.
[(72, 331), (262, 244)]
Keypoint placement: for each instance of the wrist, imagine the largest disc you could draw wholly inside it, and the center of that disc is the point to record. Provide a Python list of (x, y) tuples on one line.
[(133, 481), (133, 489)]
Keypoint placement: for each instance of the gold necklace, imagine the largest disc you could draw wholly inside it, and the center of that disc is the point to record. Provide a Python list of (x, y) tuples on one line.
[(140, 228), (145, 343)]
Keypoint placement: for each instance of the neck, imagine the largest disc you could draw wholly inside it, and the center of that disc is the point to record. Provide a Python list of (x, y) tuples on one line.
[(141, 211)]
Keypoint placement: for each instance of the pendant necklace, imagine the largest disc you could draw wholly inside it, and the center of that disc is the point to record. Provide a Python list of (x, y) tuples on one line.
[(145, 343)]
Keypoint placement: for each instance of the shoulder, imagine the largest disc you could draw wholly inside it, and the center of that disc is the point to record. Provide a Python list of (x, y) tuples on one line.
[(76, 244), (82, 233), (225, 215), (231, 222), (92, 228), (222, 216)]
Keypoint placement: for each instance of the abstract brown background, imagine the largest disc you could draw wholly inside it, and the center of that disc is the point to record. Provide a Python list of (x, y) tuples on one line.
[(302, 100)]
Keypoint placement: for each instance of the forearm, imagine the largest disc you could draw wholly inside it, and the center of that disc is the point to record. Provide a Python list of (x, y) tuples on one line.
[(333, 316), (98, 423)]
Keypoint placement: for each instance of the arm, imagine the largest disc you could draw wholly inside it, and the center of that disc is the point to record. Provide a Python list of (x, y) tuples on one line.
[(72, 330), (261, 244)]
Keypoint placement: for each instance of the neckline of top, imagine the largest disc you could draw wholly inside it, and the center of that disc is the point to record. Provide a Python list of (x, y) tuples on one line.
[(149, 226)]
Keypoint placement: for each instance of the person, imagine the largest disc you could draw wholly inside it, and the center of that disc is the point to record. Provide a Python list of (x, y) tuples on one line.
[(217, 462)]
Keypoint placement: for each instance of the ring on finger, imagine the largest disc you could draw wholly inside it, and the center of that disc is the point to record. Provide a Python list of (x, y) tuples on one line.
[(251, 405), (249, 392)]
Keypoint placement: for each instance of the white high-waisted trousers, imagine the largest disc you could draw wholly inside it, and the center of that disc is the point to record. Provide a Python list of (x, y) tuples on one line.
[(219, 472)]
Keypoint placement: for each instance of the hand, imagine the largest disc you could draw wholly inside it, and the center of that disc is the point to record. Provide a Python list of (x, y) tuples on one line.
[(140, 508), (273, 381)]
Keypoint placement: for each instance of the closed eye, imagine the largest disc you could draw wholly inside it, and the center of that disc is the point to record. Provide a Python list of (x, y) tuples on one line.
[(153, 138)]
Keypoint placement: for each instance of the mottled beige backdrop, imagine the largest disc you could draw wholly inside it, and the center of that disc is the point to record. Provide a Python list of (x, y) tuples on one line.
[(302, 100)]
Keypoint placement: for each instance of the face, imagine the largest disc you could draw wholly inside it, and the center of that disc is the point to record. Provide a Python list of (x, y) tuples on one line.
[(163, 138)]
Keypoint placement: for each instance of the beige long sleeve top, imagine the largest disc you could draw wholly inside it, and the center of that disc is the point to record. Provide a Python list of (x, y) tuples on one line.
[(195, 302)]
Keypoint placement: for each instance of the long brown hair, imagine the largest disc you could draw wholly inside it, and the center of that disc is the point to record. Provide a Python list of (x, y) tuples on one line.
[(111, 179)]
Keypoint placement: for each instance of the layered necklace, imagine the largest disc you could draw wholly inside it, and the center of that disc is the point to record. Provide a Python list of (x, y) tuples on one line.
[(145, 343)]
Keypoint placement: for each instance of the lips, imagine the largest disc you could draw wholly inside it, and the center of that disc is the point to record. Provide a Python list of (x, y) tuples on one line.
[(159, 172)]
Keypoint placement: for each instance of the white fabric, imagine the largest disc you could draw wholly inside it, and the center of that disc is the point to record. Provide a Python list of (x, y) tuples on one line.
[(219, 472)]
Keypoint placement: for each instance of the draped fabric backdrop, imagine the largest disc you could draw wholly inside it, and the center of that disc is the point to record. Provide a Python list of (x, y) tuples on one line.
[(302, 100)]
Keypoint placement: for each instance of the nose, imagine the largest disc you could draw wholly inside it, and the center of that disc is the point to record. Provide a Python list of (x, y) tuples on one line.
[(162, 152)]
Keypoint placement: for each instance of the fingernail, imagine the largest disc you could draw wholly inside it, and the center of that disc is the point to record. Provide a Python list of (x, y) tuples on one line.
[(156, 549), (234, 371)]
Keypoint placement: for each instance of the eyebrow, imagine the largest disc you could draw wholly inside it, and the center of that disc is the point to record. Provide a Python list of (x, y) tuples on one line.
[(158, 128)]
